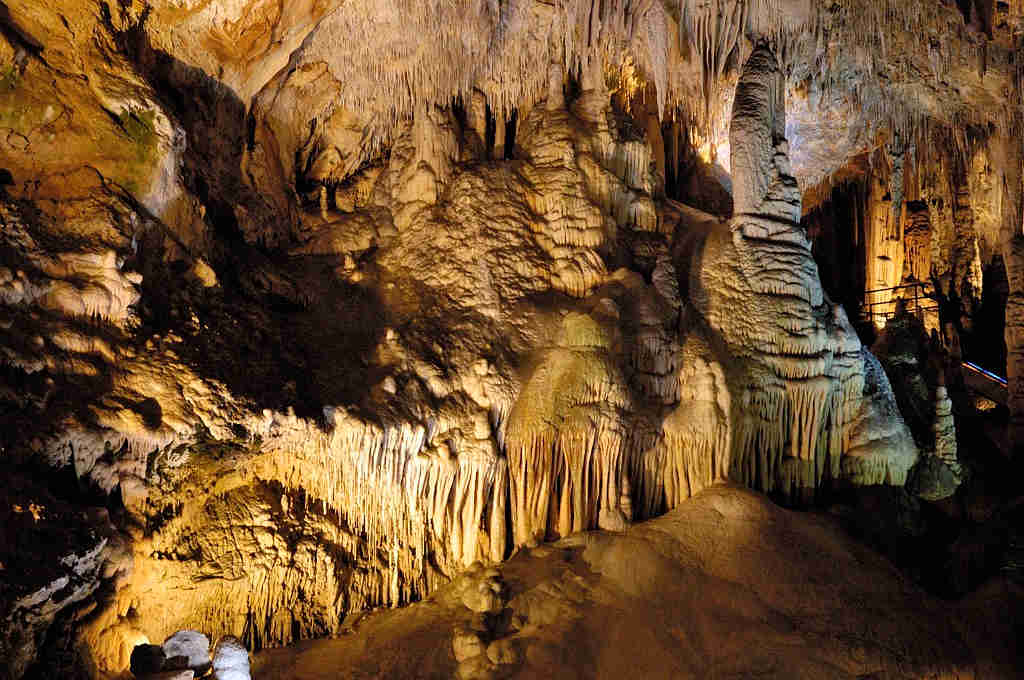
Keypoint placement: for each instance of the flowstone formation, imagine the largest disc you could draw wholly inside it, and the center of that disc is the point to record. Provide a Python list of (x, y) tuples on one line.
[(318, 304), (798, 374), (523, 390)]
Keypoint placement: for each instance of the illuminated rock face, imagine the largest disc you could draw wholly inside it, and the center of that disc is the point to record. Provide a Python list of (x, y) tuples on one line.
[(327, 312), (587, 409), (798, 373), (636, 604), (539, 393)]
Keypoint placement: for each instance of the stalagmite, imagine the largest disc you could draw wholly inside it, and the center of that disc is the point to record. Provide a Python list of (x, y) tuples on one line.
[(944, 429), (192, 645), (230, 660), (801, 379)]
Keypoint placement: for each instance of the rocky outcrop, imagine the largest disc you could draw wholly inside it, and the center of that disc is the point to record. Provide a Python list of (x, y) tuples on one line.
[(797, 374), (918, 369), (53, 557), (230, 660), (186, 655), (564, 396), (190, 649)]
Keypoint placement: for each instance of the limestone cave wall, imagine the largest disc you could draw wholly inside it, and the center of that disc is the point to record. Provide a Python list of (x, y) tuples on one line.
[(302, 313)]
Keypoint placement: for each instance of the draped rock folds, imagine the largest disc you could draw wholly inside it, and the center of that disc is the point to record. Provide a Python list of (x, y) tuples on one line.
[(799, 374), (441, 351), (556, 359)]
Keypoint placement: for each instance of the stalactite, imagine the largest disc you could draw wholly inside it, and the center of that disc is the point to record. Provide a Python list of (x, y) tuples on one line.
[(884, 250), (965, 258), (504, 49), (917, 245), (565, 440)]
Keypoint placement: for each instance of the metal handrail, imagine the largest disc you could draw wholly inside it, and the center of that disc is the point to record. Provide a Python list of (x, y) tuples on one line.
[(894, 300), (867, 307), (915, 284), (925, 308), (988, 374)]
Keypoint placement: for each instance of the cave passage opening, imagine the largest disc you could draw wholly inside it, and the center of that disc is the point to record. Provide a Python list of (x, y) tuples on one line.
[(878, 253)]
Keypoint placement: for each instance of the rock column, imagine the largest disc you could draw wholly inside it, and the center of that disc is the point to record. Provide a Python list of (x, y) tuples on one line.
[(1013, 257)]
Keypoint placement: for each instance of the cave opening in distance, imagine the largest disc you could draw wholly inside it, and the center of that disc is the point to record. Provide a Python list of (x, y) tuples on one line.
[(928, 247)]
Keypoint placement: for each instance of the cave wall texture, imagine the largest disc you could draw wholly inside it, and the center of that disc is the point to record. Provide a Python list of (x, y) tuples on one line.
[(311, 305)]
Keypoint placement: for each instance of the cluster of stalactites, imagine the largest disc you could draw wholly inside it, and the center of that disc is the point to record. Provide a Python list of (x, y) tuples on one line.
[(414, 502), (833, 50), (716, 28), (931, 213), (435, 51), (917, 246), (588, 447), (790, 438), (602, 470), (692, 449), (563, 480), (574, 459), (504, 49)]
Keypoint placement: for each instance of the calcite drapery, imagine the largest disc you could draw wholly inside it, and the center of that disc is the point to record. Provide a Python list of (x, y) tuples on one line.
[(539, 371), (799, 377)]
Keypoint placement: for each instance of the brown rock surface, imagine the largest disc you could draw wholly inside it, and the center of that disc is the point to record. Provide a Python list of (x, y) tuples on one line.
[(725, 585), (327, 301)]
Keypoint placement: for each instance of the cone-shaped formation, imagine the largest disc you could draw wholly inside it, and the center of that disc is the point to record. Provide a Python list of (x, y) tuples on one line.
[(800, 382)]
